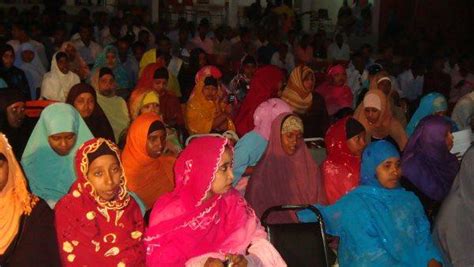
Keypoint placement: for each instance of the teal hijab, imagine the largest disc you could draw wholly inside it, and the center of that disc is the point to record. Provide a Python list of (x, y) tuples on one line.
[(49, 174), (121, 76), (429, 104)]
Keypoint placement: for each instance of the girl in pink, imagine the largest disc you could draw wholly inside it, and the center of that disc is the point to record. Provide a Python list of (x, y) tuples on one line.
[(204, 221), (335, 92)]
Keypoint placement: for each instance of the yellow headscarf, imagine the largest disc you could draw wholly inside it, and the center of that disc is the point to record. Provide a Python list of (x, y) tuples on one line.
[(295, 89), (15, 200)]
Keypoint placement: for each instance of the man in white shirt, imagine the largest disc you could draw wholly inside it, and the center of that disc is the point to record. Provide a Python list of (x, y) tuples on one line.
[(339, 50), (283, 58), (411, 82), (201, 39), (88, 49), (355, 73)]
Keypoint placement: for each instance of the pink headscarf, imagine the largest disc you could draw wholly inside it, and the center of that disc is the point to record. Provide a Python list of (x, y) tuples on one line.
[(280, 179), (184, 225), (207, 71), (336, 97), (266, 113)]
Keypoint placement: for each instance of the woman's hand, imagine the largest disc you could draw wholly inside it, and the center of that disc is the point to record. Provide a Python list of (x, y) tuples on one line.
[(237, 260), (213, 262)]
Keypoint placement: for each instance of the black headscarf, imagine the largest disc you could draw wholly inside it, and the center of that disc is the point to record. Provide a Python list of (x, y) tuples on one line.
[(97, 121)]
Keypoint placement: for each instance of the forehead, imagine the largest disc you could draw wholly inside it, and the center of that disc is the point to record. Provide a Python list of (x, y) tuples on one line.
[(107, 77)]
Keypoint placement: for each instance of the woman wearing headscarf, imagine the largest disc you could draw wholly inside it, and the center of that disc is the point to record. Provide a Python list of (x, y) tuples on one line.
[(430, 104), (76, 63), (109, 57), (143, 101), (375, 115), (337, 95), (148, 170), (287, 173), (26, 222), (98, 223), (345, 141), (206, 110), (13, 76), (13, 121), (204, 221), (265, 84), (48, 156), (57, 83), (454, 230), (34, 70), (427, 164), (309, 105), (379, 223), (83, 97), (250, 148)]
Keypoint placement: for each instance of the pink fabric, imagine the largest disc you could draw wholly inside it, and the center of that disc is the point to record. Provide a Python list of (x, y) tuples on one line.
[(281, 179), (185, 225), (266, 113), (336, 97), (207, 71)]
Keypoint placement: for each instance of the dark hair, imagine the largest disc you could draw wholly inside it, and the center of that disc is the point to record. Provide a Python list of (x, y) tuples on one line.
[(3, 157), (210, 81), (106, 71), (4, 48), (161, 73), (137, 45), (60, 55)]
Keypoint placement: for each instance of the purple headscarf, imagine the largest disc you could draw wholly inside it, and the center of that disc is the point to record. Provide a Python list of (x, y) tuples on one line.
[(427, 162), (266, 113)]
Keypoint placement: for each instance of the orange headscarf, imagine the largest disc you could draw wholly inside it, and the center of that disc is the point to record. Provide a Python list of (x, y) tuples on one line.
[(200, 112), (15, 200), (148, 177), (386, 125)]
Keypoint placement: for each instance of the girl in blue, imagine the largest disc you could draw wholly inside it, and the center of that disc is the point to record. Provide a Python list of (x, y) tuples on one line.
[(379, 223)]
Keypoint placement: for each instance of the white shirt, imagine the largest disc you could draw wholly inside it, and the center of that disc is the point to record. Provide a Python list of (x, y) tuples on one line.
[(289, 63), (207, 44), (410, 87), (88, 54), (336, 53), (354, 80)]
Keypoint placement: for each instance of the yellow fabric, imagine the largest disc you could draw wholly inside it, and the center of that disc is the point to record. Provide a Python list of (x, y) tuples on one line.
[(295, 94), (15, 200), (150, 97), (200, 112), (150, 57)]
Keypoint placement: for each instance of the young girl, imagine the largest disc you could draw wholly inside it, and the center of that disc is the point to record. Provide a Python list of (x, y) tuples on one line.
[(204, 221), (379, 223), (98, 223)]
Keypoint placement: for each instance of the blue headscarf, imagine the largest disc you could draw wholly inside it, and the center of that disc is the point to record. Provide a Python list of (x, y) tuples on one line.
[(378, 226), (429, 104), (49, 174), (121, 77)]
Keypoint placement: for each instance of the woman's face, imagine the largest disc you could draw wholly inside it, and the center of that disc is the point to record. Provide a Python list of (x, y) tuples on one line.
[(62, 143), (441, 113), (389, 172), (3, 172), (159, 85), (308, 82), (289, 141), (63, 65), (224, 175), (385, 86), (110, 58), (104, 174), (210, 92), (16, 114), (155, 143), (340, 79), (85, 104), (150, 107), (449, 140), (8, 58), (372, 114), (357, 144)]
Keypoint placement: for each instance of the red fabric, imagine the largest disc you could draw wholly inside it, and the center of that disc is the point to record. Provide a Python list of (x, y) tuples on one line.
[(336, 97), (88, 228), (340, 169), (263, 86), (146, 78), (281, 179), (184, 224)]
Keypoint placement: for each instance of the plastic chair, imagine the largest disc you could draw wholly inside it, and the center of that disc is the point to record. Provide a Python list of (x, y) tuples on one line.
[(300, 244)]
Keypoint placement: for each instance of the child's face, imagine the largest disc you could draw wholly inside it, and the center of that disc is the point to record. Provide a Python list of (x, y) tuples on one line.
[(27, 56)]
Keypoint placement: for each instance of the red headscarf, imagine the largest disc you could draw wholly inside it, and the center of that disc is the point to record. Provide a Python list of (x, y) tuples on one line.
[(184, 224), (146, 78), (149, 178), (340, 169), (94, 232), (336, 97), (263, 86), (280, 179)]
